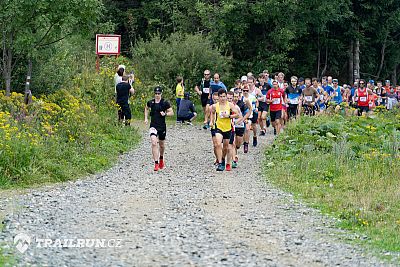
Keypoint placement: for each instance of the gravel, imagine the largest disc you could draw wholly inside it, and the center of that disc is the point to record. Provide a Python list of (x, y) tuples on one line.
[(185, 215)]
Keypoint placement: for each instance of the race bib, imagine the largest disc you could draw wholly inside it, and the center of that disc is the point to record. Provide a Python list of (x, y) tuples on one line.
[(336, 93), (294, 101), (321, 97), (276, 101), (308, 98), (363, 98), (222, 114), (153, 131), (240, 125), (206, 90)]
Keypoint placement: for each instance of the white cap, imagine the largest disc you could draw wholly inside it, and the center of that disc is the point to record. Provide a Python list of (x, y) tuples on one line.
[(121, 66), (244, 78)]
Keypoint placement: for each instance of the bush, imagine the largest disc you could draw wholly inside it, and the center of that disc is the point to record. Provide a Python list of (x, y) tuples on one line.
[(160, 61)]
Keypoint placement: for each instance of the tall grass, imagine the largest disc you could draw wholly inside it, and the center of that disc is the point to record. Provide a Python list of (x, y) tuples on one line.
[(347, 167)]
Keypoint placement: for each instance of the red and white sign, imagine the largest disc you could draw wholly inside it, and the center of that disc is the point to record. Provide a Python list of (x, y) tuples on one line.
[(108, 44)]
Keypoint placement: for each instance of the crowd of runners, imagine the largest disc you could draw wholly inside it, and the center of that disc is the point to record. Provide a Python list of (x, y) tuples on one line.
[(256, 102)]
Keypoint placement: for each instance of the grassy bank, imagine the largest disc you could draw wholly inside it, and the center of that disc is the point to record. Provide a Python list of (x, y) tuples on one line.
[(347, 167), (62, 136)]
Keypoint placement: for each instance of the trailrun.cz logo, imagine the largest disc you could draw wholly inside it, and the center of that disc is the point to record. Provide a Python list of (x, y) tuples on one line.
[(23, 241)]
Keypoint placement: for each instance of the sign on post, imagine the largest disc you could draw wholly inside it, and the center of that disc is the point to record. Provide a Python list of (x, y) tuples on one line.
[(108, 44)]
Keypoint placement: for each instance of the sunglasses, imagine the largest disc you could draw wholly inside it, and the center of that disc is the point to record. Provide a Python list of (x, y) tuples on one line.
[(362, 83), (157, 93), (245, 90), (206, 74)]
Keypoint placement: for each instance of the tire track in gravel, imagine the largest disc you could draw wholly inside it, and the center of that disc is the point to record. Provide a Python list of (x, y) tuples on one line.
[(185, 215)]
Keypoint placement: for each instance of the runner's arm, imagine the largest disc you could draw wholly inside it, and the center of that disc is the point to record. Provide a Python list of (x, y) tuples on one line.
[(235, 111), (212, 116), (170, 112), (196, 88), (146, 113)]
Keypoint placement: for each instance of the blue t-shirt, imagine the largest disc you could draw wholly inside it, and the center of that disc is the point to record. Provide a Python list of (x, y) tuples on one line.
[(336, 94), (216, 86)]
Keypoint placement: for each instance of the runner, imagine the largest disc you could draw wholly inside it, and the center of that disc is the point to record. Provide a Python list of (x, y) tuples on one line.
[(276, 97), (323, 96), (335, 93), (310, 96), (215, 85), (239, 123), (159, 109), (221, 114), (254, 92), (202, 88), (293, 93), (361, 97), (213, 139), (262, 104), (246, 98), (381, 92)]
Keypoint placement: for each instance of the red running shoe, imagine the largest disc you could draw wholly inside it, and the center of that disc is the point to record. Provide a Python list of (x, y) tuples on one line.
[(228, 167), (161, 164), (156, 167)]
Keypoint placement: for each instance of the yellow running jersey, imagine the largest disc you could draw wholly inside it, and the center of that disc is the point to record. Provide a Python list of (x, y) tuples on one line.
[(222, 123)]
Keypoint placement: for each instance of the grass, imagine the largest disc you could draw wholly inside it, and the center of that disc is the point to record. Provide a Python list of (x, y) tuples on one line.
[(347, 167)]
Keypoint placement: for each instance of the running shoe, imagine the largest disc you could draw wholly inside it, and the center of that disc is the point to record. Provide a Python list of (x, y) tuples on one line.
[(268, 122), (161, 164), (262, 133), (205, 126), (189, 123), (156, 167), (234, 165), (254, 141), (228, 167), (216, 162), (245, 147), (220, 167)]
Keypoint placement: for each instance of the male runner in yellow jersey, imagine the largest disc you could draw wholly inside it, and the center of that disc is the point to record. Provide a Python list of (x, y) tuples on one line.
[(221, 115)]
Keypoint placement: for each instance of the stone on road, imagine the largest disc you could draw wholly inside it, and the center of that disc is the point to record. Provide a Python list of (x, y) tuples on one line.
[(185, 215)]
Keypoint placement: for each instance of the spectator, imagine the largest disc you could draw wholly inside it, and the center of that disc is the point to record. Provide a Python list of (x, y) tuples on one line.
[(186, 110)]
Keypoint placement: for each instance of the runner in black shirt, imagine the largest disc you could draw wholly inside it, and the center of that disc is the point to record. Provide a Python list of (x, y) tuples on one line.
[(159, 108), (123, 90)]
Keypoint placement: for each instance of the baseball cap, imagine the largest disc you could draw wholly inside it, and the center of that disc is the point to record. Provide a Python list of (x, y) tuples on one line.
[(121, 66), (243, 79), (387, 81), (371, 81), (157, 89), (301, 79), (186, 94), (335, 81)]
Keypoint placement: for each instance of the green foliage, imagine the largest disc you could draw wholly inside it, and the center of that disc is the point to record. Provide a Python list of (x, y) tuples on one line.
[(187, 55), (63, 135), (348, 167)]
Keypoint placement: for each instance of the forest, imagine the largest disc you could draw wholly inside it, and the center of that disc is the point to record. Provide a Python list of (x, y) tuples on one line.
[(51, 43)]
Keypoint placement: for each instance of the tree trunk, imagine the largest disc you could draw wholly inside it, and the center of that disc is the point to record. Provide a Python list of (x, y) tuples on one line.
[(319, 58), (7, 62), (326, 62), (357, 60), (394, 76), (382, 57), (28, 94), (351, 62)]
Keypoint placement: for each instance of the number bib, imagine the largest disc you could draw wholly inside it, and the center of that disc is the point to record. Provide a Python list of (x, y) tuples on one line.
[(363, 98), (153, 131), (308, 98), (276, 101), (206, 90), (294, 101)]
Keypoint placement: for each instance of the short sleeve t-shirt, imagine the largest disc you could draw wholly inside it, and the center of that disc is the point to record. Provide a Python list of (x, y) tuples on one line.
[(123, 92), (309, 94), (276, 97), (158, 121), (204, 86)]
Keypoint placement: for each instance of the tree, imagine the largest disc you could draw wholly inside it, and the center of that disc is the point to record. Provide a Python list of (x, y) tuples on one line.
[(30, 26)]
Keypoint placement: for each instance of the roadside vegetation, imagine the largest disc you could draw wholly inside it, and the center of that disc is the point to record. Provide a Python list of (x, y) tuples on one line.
[(346, 166)]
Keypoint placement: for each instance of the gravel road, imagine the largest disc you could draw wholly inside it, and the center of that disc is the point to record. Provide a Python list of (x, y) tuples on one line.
[(185, 215)]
